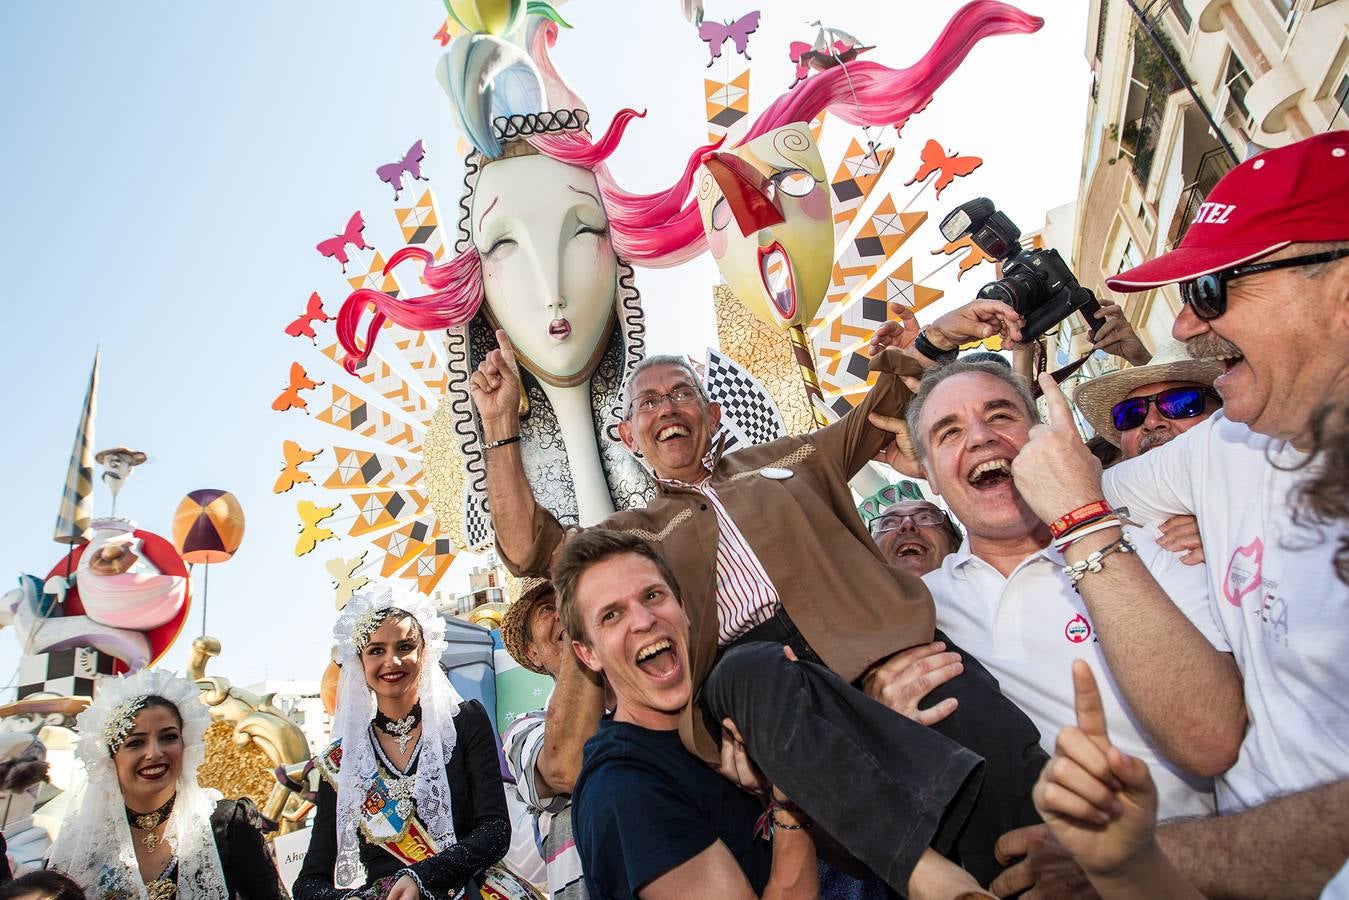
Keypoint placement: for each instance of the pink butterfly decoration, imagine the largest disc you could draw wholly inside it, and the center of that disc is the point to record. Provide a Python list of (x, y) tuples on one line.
[(336, 246), (717, 33)]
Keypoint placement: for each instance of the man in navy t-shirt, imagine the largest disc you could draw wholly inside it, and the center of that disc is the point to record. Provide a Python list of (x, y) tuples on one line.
[(650, 819)]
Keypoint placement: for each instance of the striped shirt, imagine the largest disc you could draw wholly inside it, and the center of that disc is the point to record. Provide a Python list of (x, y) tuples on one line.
[(745, 595), (552, 815)]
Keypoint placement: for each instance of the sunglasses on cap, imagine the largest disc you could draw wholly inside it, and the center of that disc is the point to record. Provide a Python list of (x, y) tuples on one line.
[(1207, 294), (1172, 403)]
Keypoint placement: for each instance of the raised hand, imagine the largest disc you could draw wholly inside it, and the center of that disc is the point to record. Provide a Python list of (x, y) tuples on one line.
[(1117, 337), (899, 453), (899, 334), (495, 388), (1100, 804), (1054, 471), (975, 321)]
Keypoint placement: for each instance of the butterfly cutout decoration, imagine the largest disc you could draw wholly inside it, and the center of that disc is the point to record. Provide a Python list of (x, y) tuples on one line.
[(290, 398), (291, 475), (411, 163), (336, 246), (973, 257), (934, 158), (717, 33), (313, 312), (345, 580), (310, 532), (831, 47)]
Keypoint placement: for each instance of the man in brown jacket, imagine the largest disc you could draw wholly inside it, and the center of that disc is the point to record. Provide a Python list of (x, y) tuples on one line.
[(768, 549)]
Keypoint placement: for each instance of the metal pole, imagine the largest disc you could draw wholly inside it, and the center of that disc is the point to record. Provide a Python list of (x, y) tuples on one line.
[(205, 591), (1183, 79)]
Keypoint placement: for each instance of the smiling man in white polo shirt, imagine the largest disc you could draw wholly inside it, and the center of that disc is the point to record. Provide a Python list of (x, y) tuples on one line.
[(1005, 597)]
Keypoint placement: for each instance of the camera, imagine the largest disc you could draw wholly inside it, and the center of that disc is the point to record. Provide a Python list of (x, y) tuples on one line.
[(1036, 283)]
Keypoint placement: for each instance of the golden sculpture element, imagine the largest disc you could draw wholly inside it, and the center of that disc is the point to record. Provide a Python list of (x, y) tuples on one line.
[(765, 353), (488, 615), (252, 738), (443, 473)]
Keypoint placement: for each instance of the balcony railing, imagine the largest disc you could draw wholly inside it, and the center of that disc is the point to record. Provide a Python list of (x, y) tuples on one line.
[(1213, 165)]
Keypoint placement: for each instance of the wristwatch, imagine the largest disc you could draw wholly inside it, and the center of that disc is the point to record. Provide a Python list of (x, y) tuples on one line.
[(932, 351)]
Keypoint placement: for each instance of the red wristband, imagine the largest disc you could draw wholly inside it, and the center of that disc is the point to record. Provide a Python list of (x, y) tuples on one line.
[(1063, 523)]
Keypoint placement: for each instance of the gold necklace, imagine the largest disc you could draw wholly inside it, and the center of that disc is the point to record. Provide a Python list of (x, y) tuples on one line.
[(148, 822)]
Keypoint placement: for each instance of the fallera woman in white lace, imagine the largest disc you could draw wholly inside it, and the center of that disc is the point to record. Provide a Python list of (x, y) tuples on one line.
[(411, 803), (145, 830)]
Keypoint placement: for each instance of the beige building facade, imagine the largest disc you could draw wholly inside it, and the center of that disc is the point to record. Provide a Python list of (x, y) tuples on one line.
[(1268, 73)]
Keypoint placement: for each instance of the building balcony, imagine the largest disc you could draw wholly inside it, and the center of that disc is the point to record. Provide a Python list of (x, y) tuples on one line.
[(1270, 97)]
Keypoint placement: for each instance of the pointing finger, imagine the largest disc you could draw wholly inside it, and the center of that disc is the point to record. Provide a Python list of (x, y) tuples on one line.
[(1060, 415), (1087, 702), (507, 351)]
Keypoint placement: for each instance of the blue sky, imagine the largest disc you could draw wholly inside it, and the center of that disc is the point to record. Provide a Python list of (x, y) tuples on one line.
[(168, 168)]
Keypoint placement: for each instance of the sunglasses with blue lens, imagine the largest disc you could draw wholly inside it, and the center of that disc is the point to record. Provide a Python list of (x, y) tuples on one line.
[(1172, 403), (1207, 294)]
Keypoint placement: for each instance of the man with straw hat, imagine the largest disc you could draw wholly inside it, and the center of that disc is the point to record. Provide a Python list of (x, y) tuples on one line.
[(543, 748)]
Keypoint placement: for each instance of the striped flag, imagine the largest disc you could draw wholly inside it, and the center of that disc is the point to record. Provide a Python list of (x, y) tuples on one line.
[(77, 500)]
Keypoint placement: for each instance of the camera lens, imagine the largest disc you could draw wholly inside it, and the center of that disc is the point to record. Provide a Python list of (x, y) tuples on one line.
[(1013, 290)]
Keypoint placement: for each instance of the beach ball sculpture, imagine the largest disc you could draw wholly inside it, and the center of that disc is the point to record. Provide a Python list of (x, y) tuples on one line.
[(208, 526)]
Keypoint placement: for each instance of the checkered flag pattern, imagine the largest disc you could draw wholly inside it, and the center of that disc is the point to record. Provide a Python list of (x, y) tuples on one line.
[(745, 403), (65, 673)]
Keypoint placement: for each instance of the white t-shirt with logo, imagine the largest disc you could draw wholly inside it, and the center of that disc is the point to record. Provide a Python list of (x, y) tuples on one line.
[(1274, 593), (1029, 627)]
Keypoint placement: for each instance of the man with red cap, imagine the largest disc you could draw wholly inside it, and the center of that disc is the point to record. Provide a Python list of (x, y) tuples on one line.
[(1264, 277)]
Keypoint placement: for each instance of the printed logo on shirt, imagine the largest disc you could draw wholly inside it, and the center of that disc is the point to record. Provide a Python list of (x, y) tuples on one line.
[(1077, 630), (1243, 571), (1273, 614)]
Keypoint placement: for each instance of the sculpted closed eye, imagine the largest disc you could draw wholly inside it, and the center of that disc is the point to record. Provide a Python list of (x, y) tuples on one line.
[(500, 248)]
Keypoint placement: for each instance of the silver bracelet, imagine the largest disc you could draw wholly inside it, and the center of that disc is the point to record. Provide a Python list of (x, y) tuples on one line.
[(1078, 570)]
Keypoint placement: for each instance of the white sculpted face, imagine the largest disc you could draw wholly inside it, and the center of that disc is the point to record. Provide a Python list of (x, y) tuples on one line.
[(549, 269)]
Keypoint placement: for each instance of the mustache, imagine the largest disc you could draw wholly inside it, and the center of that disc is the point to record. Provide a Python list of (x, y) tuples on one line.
[(1211, 346), (1153, 439)]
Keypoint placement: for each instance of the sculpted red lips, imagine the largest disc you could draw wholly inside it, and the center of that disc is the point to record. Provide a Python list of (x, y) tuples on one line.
[(776, 271), (559, 329)]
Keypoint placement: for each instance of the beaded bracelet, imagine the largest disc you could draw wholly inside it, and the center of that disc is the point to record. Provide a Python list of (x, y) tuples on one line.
[(1078, 570), (768, 823)]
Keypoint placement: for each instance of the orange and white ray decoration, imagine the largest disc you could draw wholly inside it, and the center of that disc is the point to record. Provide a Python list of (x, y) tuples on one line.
[(383, 509), (360, 469), (419, 223), (351, 413), (405, 544), (383, 380), (900, 286), (817, 124), (861, 168), (727, 108), (885, 231)]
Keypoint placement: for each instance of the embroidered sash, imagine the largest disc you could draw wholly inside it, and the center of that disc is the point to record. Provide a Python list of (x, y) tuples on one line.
[(388, 818)]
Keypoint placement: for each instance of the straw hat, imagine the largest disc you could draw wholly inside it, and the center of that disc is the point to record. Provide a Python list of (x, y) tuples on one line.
[(515, 622), (1097, 398)]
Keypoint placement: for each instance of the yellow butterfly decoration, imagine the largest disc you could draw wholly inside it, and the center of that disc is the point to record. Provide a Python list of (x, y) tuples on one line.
[(345, 580), (310, 532), (291, 475)]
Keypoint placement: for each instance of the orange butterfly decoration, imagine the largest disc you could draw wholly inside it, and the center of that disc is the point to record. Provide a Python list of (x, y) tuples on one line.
[(313, 312), (291, 475), (290, 398), (972, 258), (935, 158)]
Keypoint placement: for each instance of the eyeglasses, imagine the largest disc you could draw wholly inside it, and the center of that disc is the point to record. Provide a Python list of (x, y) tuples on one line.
[(680, 396), (1207, 294), (1172, 403), (929, 518)]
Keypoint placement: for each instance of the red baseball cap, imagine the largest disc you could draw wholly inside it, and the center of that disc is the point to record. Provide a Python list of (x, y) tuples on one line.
[(1288, 195)]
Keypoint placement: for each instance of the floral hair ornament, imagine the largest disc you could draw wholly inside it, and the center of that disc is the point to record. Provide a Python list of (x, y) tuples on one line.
[(120, 721), (367, 611)]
